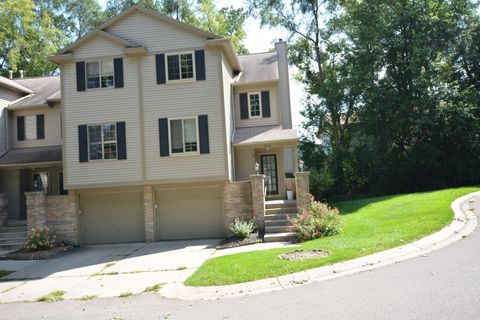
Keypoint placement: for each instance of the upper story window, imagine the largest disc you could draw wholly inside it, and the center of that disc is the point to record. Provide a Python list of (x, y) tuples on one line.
[(183, 136), (254, 105), (102, 141), (31, 127), (180, 66), (100, 74)]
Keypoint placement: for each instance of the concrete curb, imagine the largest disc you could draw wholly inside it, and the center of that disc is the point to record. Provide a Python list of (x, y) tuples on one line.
[(463, 224)]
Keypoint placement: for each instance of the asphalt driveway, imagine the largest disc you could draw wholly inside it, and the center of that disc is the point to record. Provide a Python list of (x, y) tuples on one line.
[(105, 270)]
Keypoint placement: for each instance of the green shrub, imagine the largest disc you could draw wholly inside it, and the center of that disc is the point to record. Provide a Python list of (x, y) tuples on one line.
[(321, 182), (319, 221), (40, 239), (242, 228)]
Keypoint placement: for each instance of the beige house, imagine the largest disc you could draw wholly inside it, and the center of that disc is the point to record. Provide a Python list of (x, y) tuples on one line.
[(149, 127)]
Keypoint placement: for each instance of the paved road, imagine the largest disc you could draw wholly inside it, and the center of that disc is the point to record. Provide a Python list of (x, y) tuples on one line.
[(443, 285)]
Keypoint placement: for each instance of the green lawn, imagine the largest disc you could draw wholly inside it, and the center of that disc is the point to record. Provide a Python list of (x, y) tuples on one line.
[(371, 225), (4, 273)]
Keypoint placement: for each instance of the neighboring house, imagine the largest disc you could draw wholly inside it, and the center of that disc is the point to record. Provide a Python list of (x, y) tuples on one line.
[(155, 118)]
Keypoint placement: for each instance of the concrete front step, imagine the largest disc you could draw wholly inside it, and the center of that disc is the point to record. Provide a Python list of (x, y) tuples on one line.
[(274, 204), (279, 216), (16, 223), (7, 235), (11, 246), (274, 223), (278, 229), (281, 210), (13, 229), (283, 236)]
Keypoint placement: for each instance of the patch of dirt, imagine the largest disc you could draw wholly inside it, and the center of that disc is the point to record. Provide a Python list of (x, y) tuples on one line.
[(303, 254), (25, 254), (234, 241)]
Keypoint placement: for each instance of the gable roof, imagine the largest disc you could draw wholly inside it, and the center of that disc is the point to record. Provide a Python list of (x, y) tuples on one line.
[(101, 33), (162, 17), (23, 156), (11, 84), (258, 67), (45, 90)]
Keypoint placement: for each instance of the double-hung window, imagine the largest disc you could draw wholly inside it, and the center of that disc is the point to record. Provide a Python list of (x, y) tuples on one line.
[(254, 105), (183, 136), (100, 74), (180, 66), (102, 141)]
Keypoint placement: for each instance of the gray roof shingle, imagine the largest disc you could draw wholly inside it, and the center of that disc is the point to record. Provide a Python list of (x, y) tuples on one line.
[(32, 155), (44, 88), (258, 67), (263, 134)]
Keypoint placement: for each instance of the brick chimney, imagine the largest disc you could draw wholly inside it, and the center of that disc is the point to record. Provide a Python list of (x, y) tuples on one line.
[(284, 85)]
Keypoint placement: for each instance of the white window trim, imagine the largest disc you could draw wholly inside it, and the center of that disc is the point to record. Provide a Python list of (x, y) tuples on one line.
[(184, 153), (99, 73), (103, 142), (249, 107), (180, 66)]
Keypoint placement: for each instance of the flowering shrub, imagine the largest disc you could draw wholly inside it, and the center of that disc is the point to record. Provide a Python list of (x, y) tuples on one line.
[(319, 221), (242, 228), (40, 239)]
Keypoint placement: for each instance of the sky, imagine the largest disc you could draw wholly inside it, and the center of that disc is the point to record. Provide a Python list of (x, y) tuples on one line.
[(262, 40)]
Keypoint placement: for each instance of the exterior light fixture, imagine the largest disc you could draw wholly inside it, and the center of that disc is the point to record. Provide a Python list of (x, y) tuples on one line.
[(257, 168), (300, 165)]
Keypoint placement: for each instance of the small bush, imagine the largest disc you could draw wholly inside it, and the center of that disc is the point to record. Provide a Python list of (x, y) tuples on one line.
[(242, 228), (319, 221), (40, 239)]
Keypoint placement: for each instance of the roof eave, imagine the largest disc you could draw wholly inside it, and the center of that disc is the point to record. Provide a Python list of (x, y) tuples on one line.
[(266, 142), (229, 51), (61, 58), (15, 86), (251, 83), (21, 165)]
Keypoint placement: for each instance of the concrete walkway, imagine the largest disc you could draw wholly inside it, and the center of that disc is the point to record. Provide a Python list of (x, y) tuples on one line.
[(105, 270)]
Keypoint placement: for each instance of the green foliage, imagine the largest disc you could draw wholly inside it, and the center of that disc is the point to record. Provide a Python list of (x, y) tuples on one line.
[(4, 273), (40, 239), (242, 228), (52, 296), (320, 221), (321, 182)]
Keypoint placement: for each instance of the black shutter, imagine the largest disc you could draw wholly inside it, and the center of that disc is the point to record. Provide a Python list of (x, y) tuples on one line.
[(40, 126), (200, 64), (163, 133), (80, 76), (243, 106), (203, 131), (118, 72), (20, 128), (83, 143), (121, 141), (160, 66), (265, 104)]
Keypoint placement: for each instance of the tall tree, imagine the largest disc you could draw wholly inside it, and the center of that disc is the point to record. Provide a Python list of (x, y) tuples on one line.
[(27, 36)]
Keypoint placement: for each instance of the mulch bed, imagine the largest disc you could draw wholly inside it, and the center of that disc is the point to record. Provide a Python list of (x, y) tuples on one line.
[(303, 254), (24, 254), (234, 241)]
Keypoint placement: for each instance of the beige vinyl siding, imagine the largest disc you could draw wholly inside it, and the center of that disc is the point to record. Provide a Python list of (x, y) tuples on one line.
[(274, 119), (6, 97), (244, 163), (96, 106), (97, 47), (154, 34), (227, 75), (53, 135), (10, 185), (184, 99)]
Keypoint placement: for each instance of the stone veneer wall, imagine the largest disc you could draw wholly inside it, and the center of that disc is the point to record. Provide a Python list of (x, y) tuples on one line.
[(258, 199), (58, 213), (149, 215), (290, 184), (237, 203), (302, 186), (3, 209)]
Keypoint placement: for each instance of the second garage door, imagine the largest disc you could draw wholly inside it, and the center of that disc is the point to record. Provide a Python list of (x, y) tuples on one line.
[(189, 213), (112, 217)]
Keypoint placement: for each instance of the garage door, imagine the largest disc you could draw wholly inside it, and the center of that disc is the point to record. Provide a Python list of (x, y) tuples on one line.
[(112, 217), (189, 213)]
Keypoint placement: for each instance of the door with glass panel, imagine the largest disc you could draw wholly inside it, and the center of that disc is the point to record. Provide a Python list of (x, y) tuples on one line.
[(268, 165)]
